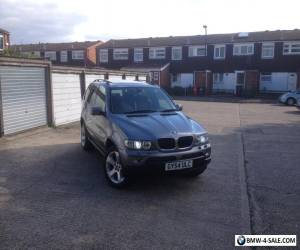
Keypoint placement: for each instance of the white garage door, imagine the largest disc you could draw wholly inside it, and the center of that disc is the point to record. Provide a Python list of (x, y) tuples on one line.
[(130, 78), (142, 78), (114, 77), (66, 98), (90, 78), (23, 98)]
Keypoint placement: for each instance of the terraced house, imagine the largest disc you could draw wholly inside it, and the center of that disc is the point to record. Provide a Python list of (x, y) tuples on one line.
[(73, 53), (247, 62), (4, 40)]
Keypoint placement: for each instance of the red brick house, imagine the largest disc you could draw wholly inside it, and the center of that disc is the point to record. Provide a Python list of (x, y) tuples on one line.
[(73, 53), (237, 63), (4, 39)]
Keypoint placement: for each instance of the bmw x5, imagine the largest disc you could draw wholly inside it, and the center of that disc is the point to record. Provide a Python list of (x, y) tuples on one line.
[(137, 126)]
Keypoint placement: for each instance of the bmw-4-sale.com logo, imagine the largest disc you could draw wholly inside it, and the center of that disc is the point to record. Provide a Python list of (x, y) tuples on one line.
[(241, 240)]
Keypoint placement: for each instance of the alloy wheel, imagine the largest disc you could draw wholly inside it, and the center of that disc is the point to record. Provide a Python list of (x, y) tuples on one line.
[(113, 168)]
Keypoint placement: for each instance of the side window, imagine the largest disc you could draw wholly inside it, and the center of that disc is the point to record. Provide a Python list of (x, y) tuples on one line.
[(98, 100), (86, 94)]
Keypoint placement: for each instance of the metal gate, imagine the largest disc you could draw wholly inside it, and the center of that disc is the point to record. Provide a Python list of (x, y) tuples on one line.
[(23, 98), (66, 98)]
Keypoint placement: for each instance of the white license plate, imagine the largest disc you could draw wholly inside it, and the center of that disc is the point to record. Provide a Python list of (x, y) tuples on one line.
[(177, 165)]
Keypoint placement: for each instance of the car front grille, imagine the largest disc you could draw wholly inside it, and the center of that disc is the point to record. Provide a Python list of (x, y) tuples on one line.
[(166, 143), (185, 141), (170, 143)]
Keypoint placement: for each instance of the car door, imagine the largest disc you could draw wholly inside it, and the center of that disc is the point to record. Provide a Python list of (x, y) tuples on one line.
[(98, 123)]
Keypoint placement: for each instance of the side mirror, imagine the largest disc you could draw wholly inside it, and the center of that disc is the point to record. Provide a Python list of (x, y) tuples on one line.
[(97, 111), (179, 107)]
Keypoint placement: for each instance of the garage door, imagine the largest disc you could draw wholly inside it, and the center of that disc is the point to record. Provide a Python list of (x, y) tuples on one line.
[(91, 78), (66, 98), (130, 78), (23, 98), (114, 77), (142, 78)]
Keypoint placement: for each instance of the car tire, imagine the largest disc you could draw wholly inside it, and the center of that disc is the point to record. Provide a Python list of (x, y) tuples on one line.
[(290, 101), (84, 139), (114, 169), (196, 171)]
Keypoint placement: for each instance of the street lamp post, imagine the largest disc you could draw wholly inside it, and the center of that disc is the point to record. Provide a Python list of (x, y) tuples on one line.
[(205, 28)]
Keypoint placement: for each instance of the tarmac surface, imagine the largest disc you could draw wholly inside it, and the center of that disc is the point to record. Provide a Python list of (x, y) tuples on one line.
[(53, 195)]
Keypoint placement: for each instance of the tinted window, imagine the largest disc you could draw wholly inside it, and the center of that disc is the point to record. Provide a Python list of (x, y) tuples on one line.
[(98, 100), (135, 99)]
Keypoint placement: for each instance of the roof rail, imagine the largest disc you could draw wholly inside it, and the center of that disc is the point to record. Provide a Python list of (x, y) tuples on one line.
[(103, 80)]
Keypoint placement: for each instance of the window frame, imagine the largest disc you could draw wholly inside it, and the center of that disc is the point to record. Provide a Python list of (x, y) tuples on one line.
[(75, 56), (61, 55), (195, 48), (173, 50), (239, 46), (153, 53), (262, 50), (218, 76), (141, 53), (290, 44), (264, 74), (219, 46), (119, 52), (50, 57), (101, 52)]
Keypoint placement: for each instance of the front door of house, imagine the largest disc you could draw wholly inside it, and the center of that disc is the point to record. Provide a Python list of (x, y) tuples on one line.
[(240, 78), (292, 81)]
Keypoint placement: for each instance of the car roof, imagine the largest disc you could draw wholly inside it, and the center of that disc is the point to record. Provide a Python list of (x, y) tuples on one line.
[(121, 83)]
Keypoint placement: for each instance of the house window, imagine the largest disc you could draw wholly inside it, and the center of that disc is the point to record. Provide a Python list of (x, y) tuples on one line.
[(266, 77), (103, 55), (157, 53), (77, 54), (138, 55), (219, 52), (50, 55), (64, 56), (218, 78), (174, 78), (267, 50), (291, 48), (120, 54), (176, 53), (243, 49), (155, 76), (1, 42), (197, 51), (36, 53)]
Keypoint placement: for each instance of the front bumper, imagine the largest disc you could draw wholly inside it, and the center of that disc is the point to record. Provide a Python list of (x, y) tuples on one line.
[(282, 99), (155, 160)]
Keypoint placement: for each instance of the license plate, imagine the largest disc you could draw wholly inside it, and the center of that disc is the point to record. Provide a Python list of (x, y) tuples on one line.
[(177, 165)]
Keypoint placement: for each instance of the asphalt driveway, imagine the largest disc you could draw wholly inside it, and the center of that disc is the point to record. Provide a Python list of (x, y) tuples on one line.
[(54, 196)]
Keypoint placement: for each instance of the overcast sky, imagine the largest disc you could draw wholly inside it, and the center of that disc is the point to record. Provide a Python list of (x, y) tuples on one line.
[(67, 20)]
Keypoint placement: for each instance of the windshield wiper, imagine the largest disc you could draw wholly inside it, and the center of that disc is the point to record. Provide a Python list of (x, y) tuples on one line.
[(140, 111), (168, 110)]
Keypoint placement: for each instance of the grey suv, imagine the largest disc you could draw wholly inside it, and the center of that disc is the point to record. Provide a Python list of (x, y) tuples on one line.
[(137, 126)]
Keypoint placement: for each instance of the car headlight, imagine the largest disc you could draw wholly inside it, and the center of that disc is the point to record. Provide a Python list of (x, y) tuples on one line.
[(145, 145), (201, 139)]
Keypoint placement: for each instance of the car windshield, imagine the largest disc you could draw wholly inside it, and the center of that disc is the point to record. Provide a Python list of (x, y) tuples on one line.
[(126, 100)]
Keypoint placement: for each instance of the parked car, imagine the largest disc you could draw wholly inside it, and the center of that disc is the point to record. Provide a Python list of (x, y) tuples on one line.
[(136, 126), (290, 98), (298, 104)]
